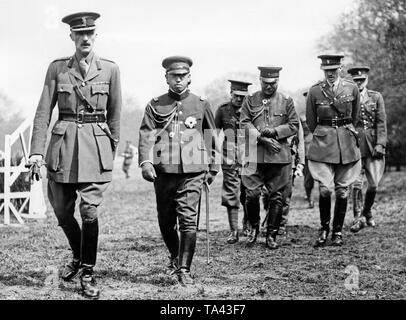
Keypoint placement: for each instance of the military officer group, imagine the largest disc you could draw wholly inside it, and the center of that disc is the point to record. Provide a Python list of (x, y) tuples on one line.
[(262, 150)]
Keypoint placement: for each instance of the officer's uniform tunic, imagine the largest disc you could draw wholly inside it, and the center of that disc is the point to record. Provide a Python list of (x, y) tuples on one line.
[(172, 138), (334, 152), (262, 167), (372, 131), (228, 119), (80, 154)]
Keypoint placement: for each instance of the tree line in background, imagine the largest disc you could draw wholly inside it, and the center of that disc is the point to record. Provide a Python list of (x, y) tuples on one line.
[(373, 33)]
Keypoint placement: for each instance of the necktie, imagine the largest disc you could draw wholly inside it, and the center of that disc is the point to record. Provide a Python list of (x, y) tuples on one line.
[(84, 67)]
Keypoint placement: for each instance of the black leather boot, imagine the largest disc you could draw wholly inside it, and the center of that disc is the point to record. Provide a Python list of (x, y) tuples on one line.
[(274, 219), (171, 239), (252, 235), (88, 283), (90, 235), (233, 222), (340, 210), (369, 201), (325, 215), (271, 239), (309, 199), (73, 234), (186, 252), (358, 222)]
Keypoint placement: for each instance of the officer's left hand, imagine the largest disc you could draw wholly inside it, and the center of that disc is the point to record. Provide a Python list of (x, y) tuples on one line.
[(378, 152), (299, 170), (210, 176), (268, 133)]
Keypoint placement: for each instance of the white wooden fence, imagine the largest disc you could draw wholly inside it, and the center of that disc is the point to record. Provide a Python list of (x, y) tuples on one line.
[(37, 207)]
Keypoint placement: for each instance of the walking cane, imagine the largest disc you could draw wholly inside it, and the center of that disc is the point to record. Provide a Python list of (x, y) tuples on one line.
[(198, 211), (207, 189)]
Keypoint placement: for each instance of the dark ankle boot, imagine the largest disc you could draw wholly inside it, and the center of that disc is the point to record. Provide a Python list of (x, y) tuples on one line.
[(252, 235), (88, 283), (271, 239), (186, 252)]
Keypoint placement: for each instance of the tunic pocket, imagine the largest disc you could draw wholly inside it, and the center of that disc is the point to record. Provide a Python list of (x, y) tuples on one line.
[(104, 148), (65, 96), (53, 156), (100, 93)]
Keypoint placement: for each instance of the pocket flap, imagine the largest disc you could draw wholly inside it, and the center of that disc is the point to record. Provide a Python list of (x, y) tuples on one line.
[(100, 89), (65, 87), (60, 127)]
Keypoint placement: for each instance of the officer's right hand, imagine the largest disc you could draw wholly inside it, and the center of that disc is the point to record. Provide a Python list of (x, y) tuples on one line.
[(148, 171), (35, 163), (270, 144)]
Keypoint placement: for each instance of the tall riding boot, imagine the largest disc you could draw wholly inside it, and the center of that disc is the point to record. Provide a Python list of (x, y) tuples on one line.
[(369, 201), (233, 221), (252, 206), (171, 239), (274, 220), (358, 223), (73, 234), (309, 198), (90, 234), (340, 210), (186, 252), (325, 215)]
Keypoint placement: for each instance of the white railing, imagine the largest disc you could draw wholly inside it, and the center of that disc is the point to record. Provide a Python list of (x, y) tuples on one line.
[(37, 207)]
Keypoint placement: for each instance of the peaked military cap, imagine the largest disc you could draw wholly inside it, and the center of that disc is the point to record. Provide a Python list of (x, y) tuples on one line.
[(269, 74), (81, 21), (239, 87), (330, 61), (358, 72), (177, 64)]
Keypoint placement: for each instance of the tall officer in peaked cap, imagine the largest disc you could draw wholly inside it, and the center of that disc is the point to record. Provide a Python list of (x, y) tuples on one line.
[(228, 119), (269, 119), (332, 109), (80, 155), (372, 130), (178, 149)]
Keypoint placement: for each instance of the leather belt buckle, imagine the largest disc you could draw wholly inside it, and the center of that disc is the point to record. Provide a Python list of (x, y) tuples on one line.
[(334, 123), (80, 118)]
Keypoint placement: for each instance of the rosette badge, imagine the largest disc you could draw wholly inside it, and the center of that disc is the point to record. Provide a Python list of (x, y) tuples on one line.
[(190, 122)]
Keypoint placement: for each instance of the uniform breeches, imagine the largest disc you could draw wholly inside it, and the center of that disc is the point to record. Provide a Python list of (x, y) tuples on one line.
[(275, 177), (62, 197), (232, 187), (373, 170), (336, 177), (308, 179), (177, 197)]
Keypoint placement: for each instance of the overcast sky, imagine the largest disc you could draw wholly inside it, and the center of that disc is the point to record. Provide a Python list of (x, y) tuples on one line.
[(221, 36)]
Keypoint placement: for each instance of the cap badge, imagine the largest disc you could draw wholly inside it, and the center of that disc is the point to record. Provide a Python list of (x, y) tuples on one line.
[(190, 122)]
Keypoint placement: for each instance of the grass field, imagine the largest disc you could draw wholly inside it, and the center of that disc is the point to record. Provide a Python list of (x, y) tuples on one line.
[(132, 256)]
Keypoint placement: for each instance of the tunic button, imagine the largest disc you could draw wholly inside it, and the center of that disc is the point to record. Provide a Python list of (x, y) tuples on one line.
[(80, 125), (182, 142), (180, 112), (83, 84), (181, 132)]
